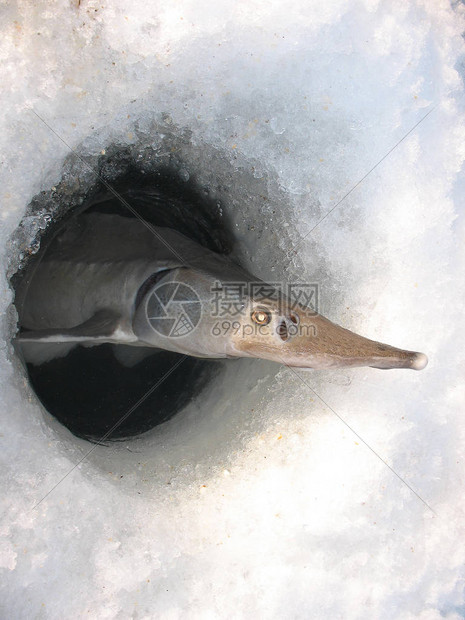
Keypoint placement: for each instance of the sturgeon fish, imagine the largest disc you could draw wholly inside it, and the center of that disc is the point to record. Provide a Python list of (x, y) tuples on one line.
[(112, 279)]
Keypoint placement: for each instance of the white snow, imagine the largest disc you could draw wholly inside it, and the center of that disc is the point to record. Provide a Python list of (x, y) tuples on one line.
[(256, 501)]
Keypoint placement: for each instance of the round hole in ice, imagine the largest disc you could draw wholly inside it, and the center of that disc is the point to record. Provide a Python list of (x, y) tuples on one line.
[(90, 390)]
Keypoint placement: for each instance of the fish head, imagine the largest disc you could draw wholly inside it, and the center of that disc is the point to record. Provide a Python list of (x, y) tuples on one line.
[(282, 331), (270, 327)]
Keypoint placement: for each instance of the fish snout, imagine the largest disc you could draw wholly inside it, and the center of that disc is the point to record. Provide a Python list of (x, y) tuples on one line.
[(301, 338), (305, 339), (323, 344), (419, 361)]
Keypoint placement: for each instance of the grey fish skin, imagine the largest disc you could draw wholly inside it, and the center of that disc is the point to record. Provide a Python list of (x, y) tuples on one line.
[(85, 291)]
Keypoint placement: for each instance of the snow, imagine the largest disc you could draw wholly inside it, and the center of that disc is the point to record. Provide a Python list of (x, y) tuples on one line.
[(258, 499)]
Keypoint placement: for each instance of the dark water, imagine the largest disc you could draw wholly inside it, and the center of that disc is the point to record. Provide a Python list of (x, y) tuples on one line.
[(89, 391)]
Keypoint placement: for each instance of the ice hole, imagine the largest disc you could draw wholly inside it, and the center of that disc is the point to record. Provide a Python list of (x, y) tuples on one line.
[(90, 389)]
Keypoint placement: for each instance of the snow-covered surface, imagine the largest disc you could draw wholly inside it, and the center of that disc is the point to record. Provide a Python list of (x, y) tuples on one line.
[(257, 501)]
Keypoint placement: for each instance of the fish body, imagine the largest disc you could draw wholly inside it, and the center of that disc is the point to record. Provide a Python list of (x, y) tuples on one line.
[(111, 279)]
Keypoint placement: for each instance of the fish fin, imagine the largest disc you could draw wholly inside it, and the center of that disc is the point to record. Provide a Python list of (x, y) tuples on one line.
[(130, 356), (40, 346), (102, 326)]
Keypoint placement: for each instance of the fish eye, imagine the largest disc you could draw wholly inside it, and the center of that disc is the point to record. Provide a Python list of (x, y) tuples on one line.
[(261, 316)]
